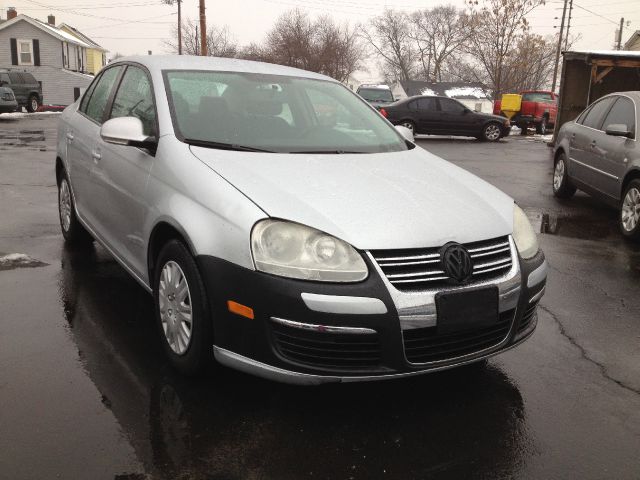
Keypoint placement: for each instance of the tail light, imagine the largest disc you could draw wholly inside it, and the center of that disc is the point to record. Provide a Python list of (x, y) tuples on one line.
[(384, 113)]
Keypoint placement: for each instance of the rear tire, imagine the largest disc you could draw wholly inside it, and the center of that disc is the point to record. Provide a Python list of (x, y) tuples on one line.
[(562, 187), (408, 124), (630, 211), (181, 308), (33, 104), (72, 230)]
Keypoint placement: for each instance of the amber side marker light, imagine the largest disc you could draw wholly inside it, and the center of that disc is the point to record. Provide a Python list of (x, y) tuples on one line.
[(239, 309)]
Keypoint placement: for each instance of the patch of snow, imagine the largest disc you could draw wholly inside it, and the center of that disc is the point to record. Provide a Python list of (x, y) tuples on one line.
[(474, 92), (369, 85), (18, 260), (23, 114), (428, 91)]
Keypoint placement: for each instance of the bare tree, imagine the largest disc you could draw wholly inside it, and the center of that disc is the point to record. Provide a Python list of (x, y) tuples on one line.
[(501, 24), (220, 42), (179, 26), (388, 35), (437, 34), (320, 45)]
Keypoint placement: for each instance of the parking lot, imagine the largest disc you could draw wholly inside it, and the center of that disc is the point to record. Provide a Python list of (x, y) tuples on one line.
[(85, 392)]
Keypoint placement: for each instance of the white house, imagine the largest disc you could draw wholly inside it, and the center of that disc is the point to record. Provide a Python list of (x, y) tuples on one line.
[(57, 59)]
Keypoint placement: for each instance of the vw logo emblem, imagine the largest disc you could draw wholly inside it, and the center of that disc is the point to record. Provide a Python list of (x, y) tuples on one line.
[(456, 262)]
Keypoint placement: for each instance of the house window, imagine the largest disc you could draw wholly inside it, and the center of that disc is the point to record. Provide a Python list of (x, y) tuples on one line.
[(25, 52)]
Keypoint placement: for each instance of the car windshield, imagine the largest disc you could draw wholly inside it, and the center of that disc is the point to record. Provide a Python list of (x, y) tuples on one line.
[(376, 94), (258, 112)]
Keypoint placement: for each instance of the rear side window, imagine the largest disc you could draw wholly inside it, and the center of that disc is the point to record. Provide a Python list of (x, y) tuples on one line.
[(87, 95), (101, 93), (28, 78), (16, 78), (427, 104), (451, 106), (597, 112), (135, 99), (623, 113)]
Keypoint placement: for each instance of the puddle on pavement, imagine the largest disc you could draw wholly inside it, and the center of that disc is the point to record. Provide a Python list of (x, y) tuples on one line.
[(13, 261), (584, 227)]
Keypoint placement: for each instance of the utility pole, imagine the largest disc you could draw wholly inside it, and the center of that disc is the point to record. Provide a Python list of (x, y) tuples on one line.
[(555, 68), (620, 34), (197, 44), (566, 39), (179, 28), (203, 30)]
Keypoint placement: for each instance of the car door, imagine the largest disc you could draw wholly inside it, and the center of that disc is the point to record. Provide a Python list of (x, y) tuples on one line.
[(121, 172), (18, 87), (584, 140), (456, 119), (81, 135), (610, 153), (426, 115)]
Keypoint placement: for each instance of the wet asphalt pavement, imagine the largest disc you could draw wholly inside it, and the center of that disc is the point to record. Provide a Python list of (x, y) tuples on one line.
[(86, 394)]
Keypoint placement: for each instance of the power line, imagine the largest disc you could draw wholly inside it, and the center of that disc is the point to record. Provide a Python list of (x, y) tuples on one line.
[(50, 7)]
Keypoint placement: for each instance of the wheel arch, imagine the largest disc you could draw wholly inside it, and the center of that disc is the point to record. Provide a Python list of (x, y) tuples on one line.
[(633, 174), (59, 169), (164, 231)]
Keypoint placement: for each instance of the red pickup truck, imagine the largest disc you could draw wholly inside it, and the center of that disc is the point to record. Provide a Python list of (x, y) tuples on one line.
[(539, 108)]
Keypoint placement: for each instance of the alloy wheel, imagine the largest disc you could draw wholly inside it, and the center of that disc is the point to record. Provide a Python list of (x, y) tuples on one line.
[(492, 132), (64, 205), (34, 104), (408, 125), (174, 300), (631, 209), (558, 174)]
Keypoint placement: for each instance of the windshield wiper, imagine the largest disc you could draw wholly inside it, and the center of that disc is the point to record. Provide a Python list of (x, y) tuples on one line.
[(333, 152), (224, 146)]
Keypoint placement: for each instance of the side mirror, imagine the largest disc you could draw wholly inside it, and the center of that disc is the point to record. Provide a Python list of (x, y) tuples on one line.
[(618, 130), (406, 133), (127, 131)]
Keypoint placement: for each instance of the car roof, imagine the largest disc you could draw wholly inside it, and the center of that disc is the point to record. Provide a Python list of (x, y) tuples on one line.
[(159, 63)]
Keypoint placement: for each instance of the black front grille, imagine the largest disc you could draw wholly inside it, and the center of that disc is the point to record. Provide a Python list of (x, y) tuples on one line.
[(423, 345), (421, 268), (527, 317), (327, 350)]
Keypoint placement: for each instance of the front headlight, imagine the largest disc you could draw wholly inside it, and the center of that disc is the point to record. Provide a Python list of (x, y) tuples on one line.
[(292, 250), (523, 234)]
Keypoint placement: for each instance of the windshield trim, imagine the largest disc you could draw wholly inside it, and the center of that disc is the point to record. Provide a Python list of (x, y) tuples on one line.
[(182, 138)]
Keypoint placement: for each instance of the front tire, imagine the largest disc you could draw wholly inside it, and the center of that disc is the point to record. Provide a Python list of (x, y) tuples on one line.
[(72, 230), (562, 187), (630, 210), (408, 124), (181, 308), (33, 104), (491, 132), (541, 128)]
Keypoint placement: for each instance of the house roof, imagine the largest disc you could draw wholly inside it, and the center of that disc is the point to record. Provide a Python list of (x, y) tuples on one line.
[(77, 33), (50, 29), (459, 90), (634, 37)]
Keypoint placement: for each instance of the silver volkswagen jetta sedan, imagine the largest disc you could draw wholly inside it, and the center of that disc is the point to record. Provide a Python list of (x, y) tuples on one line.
[(598, 153), (281, 222)]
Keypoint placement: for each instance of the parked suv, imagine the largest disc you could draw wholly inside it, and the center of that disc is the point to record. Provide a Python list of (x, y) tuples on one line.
[(282, 223), (376, 95), (598, 153), (27, 90)]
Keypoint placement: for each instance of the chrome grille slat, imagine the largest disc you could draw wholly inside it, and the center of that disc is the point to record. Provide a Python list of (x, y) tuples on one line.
[(415, 269)]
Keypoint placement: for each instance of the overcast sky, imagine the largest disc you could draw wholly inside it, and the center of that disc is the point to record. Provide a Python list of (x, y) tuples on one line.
[(136, 26)]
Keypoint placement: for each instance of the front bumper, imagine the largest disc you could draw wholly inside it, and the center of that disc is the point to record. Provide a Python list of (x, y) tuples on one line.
[(282, 306)]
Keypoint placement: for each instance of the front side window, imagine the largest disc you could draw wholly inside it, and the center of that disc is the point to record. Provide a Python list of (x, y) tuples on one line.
[(135, 99), (451, 106), (25, 52), (596, 114), (101, 92), (16, 78), (275, 113), (622, 113)]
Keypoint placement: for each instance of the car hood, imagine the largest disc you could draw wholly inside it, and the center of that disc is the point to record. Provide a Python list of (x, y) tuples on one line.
[(407, 199)]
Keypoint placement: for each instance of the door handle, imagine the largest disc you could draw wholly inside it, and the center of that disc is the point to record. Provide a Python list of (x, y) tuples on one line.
[(70, 136), (96, 156)]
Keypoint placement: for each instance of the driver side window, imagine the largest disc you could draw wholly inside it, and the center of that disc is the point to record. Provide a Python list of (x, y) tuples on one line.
[(135, 99)]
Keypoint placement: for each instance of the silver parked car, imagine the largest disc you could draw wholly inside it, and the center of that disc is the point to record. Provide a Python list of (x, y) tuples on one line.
[(598, 153), (282, 223)]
